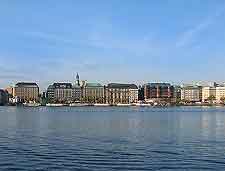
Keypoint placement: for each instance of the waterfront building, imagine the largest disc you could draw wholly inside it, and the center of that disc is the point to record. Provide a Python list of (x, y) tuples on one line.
[(92, 92), (60, 92), (50, 94), (220, 94), (26, 91), (77, 91), (177, 94), (191, 93), (121, 93), (77, 80), (133, 93), (4, 99), (158, 92), (63, 91), (215, 92), (208, 93)]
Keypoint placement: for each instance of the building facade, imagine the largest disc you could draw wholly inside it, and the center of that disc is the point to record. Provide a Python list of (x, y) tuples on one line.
[(208, 93), (92, 93), (50, 94), (220, 94), (26, 92), (60, 93), (177, 93), (76, 93), (158, 91), (121, 93), (191, 93)]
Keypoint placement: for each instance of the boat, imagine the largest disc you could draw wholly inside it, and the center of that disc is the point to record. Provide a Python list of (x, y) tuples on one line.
[(99, 104), (55, 104), (143, 104), (123, 105), (31, 104), (79, 104)]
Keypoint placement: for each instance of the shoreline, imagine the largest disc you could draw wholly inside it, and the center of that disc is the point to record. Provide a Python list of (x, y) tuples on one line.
[(119, 106)]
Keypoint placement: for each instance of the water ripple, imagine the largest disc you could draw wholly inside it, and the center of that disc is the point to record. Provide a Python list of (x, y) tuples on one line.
[(112, 139)]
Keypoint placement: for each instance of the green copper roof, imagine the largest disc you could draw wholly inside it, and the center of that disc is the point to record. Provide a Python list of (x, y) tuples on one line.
[(93, 85)]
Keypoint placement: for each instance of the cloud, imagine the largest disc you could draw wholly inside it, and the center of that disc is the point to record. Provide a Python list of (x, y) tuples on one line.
[(188, 36)]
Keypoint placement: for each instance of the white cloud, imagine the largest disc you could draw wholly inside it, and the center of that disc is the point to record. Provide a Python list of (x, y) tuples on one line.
[(188, 36)]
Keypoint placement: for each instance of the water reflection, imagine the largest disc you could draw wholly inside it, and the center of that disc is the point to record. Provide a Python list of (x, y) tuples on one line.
[(112, 138)]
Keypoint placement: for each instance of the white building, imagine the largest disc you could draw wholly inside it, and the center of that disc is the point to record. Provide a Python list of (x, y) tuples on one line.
[(133, 96), (217, 91), (220, 93), (121, 93), (191, 93), (208, 92), (76, 93)]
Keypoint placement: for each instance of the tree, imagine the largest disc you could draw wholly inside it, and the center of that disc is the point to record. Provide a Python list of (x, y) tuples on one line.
[(185, 101), (117, 100), (100, 100), (91, 99), (211, 98), (222, 99)]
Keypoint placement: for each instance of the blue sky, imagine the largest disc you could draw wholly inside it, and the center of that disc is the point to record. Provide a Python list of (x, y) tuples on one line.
[(115, 40)]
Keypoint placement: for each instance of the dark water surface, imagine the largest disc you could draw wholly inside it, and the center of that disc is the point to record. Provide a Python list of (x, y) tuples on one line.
[(181, 138)]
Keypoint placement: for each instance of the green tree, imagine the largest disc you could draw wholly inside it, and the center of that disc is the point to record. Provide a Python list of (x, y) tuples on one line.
[(222, 99), (211, 98), (117, 100)]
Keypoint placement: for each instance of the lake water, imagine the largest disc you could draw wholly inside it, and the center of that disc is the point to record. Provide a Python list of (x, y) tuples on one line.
[(112, 138)]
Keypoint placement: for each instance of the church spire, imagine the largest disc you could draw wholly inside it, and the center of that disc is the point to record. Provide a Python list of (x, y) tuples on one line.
[(78, 79)]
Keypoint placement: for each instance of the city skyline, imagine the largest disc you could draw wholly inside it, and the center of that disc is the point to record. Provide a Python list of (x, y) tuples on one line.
[(113, 94), (160, 41)]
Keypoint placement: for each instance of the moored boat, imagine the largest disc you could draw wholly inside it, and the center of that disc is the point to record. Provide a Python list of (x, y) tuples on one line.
[(55, 104), (143, 104), (79, 104), (123, 105), (31, 104), (99, 104)]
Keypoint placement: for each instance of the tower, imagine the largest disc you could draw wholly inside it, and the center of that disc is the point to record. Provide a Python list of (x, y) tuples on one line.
[(77, 79)]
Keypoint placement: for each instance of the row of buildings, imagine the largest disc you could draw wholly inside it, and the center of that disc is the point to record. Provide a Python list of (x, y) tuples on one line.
[(79, 92), (214, 93), (92, 93), (113, 93)]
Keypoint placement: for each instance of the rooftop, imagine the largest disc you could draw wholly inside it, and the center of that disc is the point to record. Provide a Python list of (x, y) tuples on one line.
[(93, 85), (23, 84), (158, 84), (62, 85), (190, 86), (119, 85), (76, 86)]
